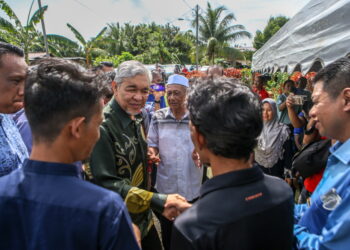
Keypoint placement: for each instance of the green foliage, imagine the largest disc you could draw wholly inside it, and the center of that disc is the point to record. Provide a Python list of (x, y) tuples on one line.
[(116, 60), (148, 43), (274, 25), (90, 47), (217, 30), (274, 85), (247, 76), (125, 56), (61, 46), (24, 36), (248, 55), (112, 59)]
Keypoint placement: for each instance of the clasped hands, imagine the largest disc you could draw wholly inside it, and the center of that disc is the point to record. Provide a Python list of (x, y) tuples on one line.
[(175, 204)]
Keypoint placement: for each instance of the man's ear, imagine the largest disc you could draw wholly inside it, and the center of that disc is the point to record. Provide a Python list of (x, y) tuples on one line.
[(75, 126), (346, 98), (201, 140), (115, 87), (198, 138)]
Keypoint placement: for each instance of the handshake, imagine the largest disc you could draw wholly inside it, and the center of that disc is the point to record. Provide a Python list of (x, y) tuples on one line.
[(175, 204)]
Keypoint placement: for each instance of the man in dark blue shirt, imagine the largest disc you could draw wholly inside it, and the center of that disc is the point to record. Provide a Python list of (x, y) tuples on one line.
[(240, 207), (45, 205)]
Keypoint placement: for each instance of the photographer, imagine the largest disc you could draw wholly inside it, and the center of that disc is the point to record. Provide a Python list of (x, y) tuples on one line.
[(282, 103), (312, 152)]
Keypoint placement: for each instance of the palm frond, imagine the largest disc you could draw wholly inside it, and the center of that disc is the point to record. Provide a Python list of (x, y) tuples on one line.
[(37, 16), (10, 13), (77, 34), (7, 26), (226, 21), (99, 35), (237, 35), (61, 39)]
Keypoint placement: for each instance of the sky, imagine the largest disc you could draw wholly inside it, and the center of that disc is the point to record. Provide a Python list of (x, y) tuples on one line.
[(90, 16)]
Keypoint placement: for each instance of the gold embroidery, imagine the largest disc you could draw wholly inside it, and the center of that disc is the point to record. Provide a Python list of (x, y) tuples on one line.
[(137, 179), (138, 200)]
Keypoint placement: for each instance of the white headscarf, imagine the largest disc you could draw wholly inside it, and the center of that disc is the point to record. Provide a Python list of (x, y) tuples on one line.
[(271, 140)]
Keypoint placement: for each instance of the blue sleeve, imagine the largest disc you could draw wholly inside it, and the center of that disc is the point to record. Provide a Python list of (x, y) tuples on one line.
[(298, 131), (299, 210), (25, 131), (335, 234), (116, 231)]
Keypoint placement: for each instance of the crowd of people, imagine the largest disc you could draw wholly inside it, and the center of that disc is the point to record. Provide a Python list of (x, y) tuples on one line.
[(97, 158)]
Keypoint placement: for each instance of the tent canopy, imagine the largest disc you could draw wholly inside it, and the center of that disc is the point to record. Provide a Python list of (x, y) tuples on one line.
[(313, 38)]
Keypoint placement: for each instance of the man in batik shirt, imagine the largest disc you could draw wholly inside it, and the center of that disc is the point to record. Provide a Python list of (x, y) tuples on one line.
[(119, 159)]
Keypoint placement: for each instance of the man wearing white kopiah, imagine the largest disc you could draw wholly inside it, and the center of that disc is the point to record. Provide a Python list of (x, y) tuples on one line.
[(169, 136)]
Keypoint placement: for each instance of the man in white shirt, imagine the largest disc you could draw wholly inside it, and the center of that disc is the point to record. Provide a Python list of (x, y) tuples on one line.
[(169, 142)]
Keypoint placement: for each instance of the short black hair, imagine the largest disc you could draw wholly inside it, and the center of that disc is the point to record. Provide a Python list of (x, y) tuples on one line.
[(6, 48), (335, 77), (107, 64), (228, 114), (108, 78), (302, 82), (57, 91), (288, 81)]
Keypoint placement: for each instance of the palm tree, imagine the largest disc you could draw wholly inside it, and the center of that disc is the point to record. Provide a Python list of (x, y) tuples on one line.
[(62, 46), (217, 32), (24, 36), (90, 46), (114, 40)]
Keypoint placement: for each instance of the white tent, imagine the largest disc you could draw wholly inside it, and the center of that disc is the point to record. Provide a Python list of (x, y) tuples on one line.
[(313, 38)]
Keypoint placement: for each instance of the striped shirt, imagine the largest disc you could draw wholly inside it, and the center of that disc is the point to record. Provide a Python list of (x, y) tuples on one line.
[(176, 172)]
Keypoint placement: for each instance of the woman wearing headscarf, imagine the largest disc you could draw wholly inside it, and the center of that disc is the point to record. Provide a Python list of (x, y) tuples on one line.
[(272, 149)]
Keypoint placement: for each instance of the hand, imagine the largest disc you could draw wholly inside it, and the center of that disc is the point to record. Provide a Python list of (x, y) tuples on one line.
[(170, 213), (289, 181), (290, 101), (196, 159), (137, 234), (152, 155), (175, 204)]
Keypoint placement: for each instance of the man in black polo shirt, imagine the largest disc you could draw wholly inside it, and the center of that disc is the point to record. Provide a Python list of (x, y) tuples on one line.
[(240, 207)]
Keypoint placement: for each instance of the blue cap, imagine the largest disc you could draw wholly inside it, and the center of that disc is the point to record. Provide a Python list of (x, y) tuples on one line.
[(157, 87), (178, 79)]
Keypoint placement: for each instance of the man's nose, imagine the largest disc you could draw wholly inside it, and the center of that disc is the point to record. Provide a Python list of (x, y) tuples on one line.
[(312, 112), (138, 96), (21, 88)]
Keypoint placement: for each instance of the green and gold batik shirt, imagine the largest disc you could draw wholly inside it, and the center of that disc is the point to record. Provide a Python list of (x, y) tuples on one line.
[(118, 162)]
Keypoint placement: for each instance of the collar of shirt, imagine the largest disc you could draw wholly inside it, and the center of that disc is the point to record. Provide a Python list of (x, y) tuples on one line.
[(51, 168), (231, 179), (341, 151), (170, 114), (124, 117)]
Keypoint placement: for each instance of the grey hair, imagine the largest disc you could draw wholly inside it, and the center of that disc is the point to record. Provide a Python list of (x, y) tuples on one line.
[(129, 69)]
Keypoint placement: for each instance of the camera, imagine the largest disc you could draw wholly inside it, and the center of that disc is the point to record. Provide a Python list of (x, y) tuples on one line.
[(299, 99)]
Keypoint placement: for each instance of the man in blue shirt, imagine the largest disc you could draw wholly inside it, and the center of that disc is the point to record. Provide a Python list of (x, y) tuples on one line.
[(45, 205), (13, 70), (325, 224)]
